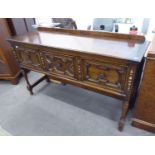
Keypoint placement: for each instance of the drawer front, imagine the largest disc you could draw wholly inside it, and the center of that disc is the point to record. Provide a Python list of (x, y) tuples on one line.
[(107, 75), (58, 64), (51, 62), (99, 73), (28, 57)]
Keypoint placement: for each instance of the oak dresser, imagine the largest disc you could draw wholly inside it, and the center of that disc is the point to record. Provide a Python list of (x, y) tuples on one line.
[(104, 62)]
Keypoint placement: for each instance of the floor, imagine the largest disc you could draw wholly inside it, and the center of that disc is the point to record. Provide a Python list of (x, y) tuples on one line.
[(55, 109)]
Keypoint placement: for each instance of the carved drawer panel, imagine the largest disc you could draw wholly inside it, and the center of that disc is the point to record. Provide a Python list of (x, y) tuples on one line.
[(105, 75), (99, 74), (58, 64), (28, 57)]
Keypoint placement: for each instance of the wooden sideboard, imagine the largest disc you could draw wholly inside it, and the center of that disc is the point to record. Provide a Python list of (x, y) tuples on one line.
[(144, 114), (107, 63)]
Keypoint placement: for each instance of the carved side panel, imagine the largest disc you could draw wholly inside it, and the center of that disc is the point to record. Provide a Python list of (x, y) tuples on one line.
[(110, 76), (130, 79), (28, 57), (62, 65), (79, 68)]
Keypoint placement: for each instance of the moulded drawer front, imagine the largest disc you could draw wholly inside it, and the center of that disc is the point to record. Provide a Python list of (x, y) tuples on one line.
[(28, 56), (58, 64), (105, 75)]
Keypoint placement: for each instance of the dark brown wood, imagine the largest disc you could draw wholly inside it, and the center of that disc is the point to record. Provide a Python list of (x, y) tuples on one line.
[(125, 108), (9, 69), (144, 115), (91, 45), (97, 34), (107, 65), (31, 86)]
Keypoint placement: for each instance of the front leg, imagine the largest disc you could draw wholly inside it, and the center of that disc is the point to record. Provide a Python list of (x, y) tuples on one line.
[(29, 87), (125, 109)]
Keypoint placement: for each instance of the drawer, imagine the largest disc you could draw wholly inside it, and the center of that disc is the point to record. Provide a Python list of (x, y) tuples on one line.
[(107, 75), (28, 57), (56, 63), (50, 61)]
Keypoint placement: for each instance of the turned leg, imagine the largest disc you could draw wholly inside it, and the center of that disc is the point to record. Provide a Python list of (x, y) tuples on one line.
[(125, 108), (29, 87)]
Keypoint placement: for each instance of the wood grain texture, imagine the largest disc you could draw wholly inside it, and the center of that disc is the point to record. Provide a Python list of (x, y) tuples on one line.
[(94, 34), (145, 106), (86, 62), (106, 46), (9, 68), (144, 115)]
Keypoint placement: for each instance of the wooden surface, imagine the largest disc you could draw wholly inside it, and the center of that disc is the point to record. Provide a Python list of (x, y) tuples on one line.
[(106, 65), (9, 68), (94, 34), (144, 115), (106, 46)]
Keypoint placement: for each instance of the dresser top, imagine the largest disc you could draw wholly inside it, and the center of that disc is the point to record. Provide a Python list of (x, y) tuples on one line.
[(113, 46)]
